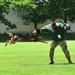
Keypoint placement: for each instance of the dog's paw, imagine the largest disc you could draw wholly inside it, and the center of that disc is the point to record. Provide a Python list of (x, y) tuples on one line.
[(5, 44)]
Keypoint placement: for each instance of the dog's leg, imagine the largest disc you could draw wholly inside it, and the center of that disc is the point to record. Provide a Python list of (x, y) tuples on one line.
[(10, 42), (43, 41), (39, 40), (7, 42)]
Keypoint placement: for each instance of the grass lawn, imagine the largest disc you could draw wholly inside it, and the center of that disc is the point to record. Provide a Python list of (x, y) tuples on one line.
[(29, 58)]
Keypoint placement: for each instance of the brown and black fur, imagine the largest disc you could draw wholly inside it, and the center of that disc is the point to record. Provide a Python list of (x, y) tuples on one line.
[(25, 37)]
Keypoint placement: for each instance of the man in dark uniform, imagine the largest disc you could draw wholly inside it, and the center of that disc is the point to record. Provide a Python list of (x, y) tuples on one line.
[(58, 34)]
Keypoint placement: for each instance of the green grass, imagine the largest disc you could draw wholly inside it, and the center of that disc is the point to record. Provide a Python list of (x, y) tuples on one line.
[(29, 58)]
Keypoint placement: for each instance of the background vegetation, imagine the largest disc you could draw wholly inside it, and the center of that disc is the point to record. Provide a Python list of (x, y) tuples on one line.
[(44, 36), (38, 11)]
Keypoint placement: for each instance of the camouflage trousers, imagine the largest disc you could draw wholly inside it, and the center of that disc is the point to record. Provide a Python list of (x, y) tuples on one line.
[(63, 45)]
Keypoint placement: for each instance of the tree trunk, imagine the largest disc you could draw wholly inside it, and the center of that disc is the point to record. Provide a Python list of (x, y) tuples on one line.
[(65, 11), (65, 17), (35, 25)]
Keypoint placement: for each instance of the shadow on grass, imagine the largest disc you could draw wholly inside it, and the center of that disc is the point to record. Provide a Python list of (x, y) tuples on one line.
[(49, 64), (63, 64)]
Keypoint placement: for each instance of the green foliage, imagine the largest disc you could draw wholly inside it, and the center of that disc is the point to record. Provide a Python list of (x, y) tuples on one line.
[(5, 8), (38, 11), (4, 37), (34, 11), (63, 9)]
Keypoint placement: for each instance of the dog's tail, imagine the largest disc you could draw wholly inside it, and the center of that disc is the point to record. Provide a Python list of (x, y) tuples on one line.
[(10, 34)]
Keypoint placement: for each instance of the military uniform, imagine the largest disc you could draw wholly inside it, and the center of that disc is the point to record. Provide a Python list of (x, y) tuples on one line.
[(58, 36)]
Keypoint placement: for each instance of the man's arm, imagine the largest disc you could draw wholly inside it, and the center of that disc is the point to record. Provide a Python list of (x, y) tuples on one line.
[(46, 28), (66, 26)]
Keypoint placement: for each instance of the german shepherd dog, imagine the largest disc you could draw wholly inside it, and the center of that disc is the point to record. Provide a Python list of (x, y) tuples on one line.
[(25, 37)]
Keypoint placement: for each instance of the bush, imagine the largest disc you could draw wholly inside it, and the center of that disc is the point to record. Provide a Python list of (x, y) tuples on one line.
[(4, 37), (45, 36)]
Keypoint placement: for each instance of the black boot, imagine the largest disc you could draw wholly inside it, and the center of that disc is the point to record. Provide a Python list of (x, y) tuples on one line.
[(69, 60), (51, 62)]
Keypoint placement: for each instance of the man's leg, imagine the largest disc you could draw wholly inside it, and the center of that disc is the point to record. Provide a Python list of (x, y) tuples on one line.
[(65, 50), (51, 54)]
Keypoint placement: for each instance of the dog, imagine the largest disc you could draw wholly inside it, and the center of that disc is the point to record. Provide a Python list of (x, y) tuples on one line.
[(33, 36)]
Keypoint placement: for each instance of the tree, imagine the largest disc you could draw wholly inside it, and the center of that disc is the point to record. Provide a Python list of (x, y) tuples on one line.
[(38, 11), (63, 9), (34, 11), (37, 14), (4, 8)]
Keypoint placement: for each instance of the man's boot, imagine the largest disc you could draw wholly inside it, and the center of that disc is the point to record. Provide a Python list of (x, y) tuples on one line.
[(51, 62), (69, 60)]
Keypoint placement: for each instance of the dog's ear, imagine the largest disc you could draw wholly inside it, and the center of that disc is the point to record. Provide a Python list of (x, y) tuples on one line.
[(10, 34)]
